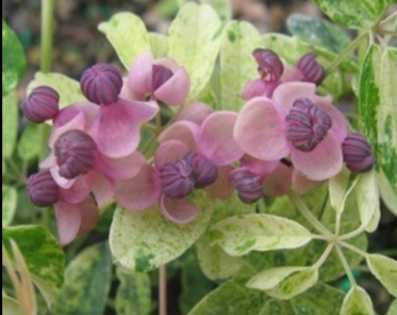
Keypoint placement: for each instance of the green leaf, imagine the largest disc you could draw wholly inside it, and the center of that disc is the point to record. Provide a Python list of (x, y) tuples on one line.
[(357, 301), (159, 44), (393, 308), (43, 256), (338, 186), (87, 283), (144, 241), (194, 41), (33, 141), (14, 63), (133, 296), (237, 65), (388, 194), (385, 270), (318, 31), (222, 7), (354, 13), (10, 306), (10, 124), (67, 88), (239, 235), (9, 205), (128, 35)]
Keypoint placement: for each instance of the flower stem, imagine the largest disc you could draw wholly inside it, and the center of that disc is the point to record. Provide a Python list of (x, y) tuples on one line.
[(346, 265), (352, 234), (324, 256), (162, 290), (353, 248), (47, 31)]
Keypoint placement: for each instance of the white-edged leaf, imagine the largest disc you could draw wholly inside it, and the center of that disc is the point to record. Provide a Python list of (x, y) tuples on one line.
[(337, 187), (194, 41), (357, 301), (239, 235), (388, 194), (159, 44), (385, 270), (128, 35), (9, 204)]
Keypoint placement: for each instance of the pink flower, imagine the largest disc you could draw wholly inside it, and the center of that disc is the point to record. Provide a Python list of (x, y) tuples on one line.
[(162, 80), (298, 124)]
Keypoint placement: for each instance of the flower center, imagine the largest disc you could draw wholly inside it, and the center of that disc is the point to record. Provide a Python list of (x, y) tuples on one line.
[(307, 125), (357, 153), (204, 171), (75, 152), (43, 190), (270, 66), (248, 185), (160, 75)]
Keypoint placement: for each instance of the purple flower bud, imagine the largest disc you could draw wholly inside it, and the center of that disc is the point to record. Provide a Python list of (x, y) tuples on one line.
[(357, 153), (75, 152), (270, 67), (307, 125), (42, 189), (102, 83), (311, 70), (160, 75), (204, 171), (177, 179), (41, 104), (249, 186)]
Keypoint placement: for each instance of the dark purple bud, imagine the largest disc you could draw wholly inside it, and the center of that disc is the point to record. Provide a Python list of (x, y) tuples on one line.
[(357, 153), (160, 75), (101, 83), (177, 179), (204, 171), (75, 152), (307, 125), (41, 104), (248, 185), (311, 70), (270, 67), (42, 189)]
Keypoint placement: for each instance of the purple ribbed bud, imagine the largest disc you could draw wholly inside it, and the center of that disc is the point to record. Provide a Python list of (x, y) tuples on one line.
[(249, 186), (42, 189), (160, 75), (270, 67), (177, 179), (357, 153), (101, 83), (204, 171), (311, 70), (75, 152), (307, 125), (41, 104)]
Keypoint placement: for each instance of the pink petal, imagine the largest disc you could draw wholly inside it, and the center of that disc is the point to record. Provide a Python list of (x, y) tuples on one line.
[(77, 121), (291, 73), (49, 162), (102, 189), (279, 181), (61, 181), (68, 221), (179, 211), (89, 215), (140, 76), (301, 184), (175, 90), (258, 87), (196, 112), (323, 162), (260, 130), (168, 63), (117, 127), (170, 151), (216, 140), (78, 192), (183, 131), (140, 192), (121, 168), (222, 188), (259, 167)]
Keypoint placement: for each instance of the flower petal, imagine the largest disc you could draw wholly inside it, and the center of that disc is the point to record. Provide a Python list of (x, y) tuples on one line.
[(279, 181), (183, 131), (78, 192), (140, 192), (61, 181), (117, 127), (170, 151), (216, 140), (260, 130), (102, 189), (175, 90), (140, 76), (196, 112), (325, 161), (301, 184), (89, 215), (75, 122), (179, 211), (258, 87), (259, 167), (222, 188), (68, 221)]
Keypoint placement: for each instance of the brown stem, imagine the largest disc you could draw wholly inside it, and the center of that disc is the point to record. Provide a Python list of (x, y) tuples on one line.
[(162, 290)]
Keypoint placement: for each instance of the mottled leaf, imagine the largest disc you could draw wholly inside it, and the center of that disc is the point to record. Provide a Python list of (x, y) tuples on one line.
[(393, 308), (10, 124), (338, 186), (9, 205), (222, 7), (385, 270), (357, 301), (159, 44)]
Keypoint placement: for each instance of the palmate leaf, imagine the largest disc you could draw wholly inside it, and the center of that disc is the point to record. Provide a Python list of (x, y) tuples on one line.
[(385, 270), (357, 301)]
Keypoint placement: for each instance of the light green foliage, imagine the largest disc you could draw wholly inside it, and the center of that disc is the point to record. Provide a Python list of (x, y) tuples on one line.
[(9, 205), (144, 241), (354, 13), (385, 270), (338, 186), (357, 301), (128, 35), (87, 283), (10, 124), (318, 31), (43, 256), (393, 308), (14, 62), (159, 44), (133, 295), (222, 7), (194, 41), (239, 235), (389, 196), (33, 142), (10, 306), (67, 88)]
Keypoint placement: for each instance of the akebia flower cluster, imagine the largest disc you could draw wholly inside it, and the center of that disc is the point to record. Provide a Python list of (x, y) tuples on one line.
[(285, 137)]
